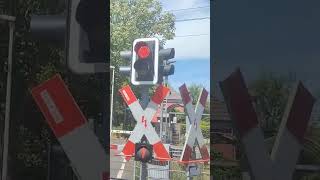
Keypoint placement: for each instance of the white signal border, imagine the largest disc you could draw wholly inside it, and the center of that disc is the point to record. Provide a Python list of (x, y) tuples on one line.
[(156, 62)]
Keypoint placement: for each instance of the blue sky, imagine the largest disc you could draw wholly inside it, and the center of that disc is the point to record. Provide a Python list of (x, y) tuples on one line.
[(278, 37), (192, 52)]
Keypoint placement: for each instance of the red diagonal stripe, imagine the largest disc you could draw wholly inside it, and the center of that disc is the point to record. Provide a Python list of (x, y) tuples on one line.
[(113, 146), (160, 93), (128, 150), (128, 95), (160, 151), (239, 102), (300, 112), (184, 94), (204, 152), (203, 98), (187, 153)]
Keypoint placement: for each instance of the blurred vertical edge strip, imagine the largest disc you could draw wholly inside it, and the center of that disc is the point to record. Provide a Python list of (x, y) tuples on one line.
[(212, 84), (107, 17)]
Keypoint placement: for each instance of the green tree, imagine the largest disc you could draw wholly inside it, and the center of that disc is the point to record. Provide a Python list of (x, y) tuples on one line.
[(131, 20), (195, 90), (271, 95), (35, 62)]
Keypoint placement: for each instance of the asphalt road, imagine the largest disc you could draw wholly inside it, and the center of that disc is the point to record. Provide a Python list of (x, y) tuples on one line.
[(119, 168)]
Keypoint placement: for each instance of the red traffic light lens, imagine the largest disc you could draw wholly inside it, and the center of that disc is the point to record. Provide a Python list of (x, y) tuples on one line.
[(143, 154), (143, 52)]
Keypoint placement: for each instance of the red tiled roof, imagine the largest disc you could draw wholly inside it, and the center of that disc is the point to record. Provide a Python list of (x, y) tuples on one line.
[(174, 101)]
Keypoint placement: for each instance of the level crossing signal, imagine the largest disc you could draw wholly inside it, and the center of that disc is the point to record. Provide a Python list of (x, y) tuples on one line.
[(145, 61), (82, 32), (149, 62), (143, 152)]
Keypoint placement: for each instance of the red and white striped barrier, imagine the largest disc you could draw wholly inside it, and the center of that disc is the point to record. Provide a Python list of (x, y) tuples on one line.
[(116, 147), (71, 128), (290, 136), (194, 132), (121, 132), (144, 126)]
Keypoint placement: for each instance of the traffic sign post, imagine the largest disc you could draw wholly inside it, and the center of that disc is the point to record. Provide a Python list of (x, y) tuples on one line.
[(194, 133), (289, 141), (192, 168), (144, 103), (148, 66), (71, 129)]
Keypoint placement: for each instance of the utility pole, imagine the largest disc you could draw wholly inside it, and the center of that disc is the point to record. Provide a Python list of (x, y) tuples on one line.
[(11, 21), (112, 92)]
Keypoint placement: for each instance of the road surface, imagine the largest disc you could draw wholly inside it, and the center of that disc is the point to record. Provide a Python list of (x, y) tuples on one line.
[(119, 168)]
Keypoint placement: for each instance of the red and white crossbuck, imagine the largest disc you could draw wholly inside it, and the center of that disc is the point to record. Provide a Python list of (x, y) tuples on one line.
[(289, 140), (144, 126), (194, 132)]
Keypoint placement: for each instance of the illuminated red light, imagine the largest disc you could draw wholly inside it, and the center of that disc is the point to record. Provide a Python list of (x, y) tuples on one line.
[(143, 152), (143, 52)]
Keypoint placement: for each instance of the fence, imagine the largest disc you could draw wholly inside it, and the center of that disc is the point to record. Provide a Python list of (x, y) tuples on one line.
[(176, 172)]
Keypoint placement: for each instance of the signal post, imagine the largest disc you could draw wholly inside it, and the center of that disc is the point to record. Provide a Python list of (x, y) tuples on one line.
[(147, 69)]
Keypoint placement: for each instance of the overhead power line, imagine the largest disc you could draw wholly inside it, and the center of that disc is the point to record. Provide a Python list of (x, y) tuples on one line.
[(186, 9), (191, 35), (192, 19)]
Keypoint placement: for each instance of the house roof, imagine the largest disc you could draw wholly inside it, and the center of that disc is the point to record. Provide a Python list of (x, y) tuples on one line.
[(174, 97), (172, 101)]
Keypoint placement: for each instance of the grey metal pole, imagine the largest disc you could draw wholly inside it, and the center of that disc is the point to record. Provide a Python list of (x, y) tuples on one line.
[(161, 117), (166, 111), (134, 170), (144, 103), (111, 110), (8, 105), (164, 105), (161, 121)]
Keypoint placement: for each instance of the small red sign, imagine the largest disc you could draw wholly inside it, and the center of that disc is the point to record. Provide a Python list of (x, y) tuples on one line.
[(58, 106), (128, 95)]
